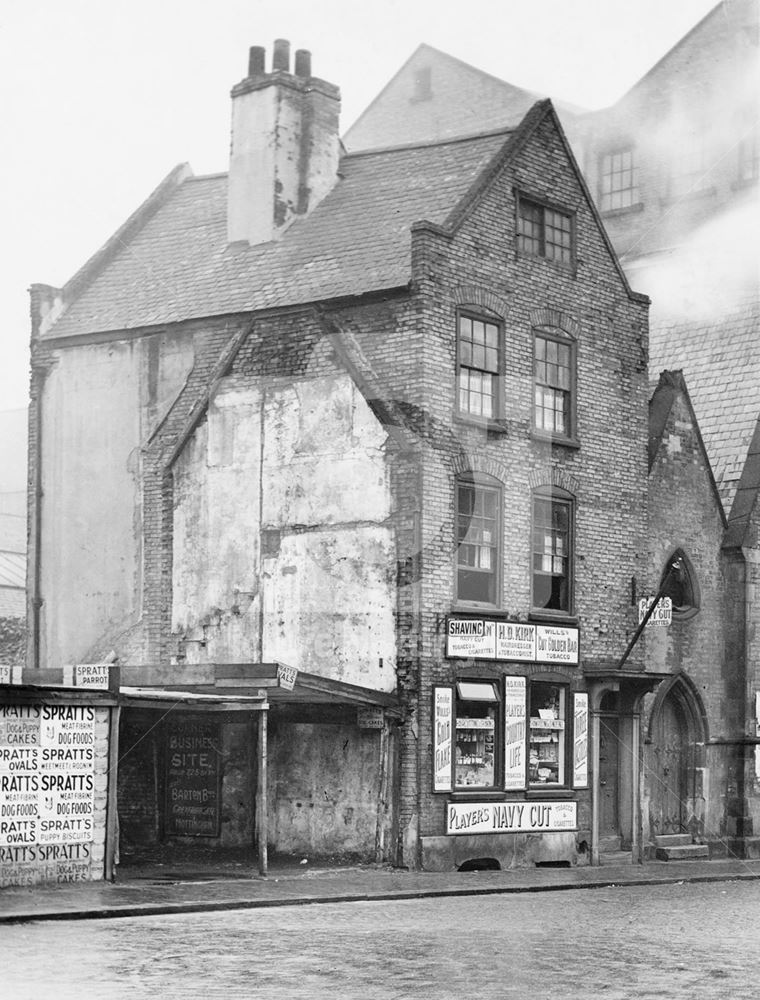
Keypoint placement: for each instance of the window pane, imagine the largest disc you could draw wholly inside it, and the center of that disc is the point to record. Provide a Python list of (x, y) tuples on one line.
[(553, 379), (477, 536), (551, 554), (475, 751), (546, 750), (529, 227), (618, 180), (479, 364)]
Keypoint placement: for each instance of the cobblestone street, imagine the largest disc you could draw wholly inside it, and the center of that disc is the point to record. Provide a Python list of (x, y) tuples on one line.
[(679, 942)]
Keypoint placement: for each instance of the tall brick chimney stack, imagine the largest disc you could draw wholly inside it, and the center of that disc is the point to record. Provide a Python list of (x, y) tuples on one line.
[(285, 144)]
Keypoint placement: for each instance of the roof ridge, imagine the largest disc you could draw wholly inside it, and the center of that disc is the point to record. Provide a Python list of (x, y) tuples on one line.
[(430, 143)]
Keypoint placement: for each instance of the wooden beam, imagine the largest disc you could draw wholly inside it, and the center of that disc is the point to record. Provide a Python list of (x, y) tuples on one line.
[(261, 794), (112, 813)]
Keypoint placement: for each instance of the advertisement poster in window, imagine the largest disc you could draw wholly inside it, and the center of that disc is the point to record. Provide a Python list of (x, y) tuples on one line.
[(514, 733), (580, 740), (442, 719)]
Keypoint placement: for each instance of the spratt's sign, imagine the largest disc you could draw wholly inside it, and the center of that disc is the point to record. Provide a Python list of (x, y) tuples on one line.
[(510, 817)]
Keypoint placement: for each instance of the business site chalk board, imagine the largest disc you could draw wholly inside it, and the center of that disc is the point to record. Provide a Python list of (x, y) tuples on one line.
[(193, 777)]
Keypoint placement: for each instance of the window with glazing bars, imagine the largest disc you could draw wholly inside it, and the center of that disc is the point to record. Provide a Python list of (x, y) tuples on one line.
[(553, 385), (478, 367), (544, 232), (477, 542), (551, 553), (618, 180), (690, 172)]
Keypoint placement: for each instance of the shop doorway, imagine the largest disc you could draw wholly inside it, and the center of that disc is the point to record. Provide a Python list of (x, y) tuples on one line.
[(609, 781)]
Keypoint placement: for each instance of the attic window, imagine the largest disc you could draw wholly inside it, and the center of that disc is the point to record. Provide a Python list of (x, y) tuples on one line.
[(690, 170), (618, 180), (423, 90), (681, 586), (544, 231)]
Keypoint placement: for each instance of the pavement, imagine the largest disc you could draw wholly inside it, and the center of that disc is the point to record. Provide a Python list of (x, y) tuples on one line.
[(161, 888)]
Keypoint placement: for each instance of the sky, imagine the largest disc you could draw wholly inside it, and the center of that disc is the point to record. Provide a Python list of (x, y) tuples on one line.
[(100, 99)]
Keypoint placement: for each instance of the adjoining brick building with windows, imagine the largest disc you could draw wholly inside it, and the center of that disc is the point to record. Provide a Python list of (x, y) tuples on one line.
[(673, 168)]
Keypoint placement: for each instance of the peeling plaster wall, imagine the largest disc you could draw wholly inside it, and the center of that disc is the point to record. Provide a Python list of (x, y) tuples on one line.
[(102, 400), (303, 466), (324, 789)]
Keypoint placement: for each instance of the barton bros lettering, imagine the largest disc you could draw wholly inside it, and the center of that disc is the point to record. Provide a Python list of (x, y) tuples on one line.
[(193, 778)]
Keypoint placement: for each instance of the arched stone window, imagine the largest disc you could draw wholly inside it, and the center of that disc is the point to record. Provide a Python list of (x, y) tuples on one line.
[(681, 585)]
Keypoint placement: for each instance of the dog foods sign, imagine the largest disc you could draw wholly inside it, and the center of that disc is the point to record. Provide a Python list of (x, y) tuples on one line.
[(53, 785)]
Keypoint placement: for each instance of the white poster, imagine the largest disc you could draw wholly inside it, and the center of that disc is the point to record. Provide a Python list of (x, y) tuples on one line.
[(514, 733), (443, 710), (510, 817), (515, 641), (556, 644), (580, 740), (471, 638), (47, 782)]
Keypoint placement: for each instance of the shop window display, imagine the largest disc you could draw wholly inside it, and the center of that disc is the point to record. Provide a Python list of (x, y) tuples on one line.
[(547, 734), (477, 711)]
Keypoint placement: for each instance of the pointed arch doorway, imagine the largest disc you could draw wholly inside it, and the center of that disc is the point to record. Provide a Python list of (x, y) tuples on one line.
[(677, 735)]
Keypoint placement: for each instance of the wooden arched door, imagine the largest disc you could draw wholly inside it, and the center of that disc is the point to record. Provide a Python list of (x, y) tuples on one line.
[(672, 752)]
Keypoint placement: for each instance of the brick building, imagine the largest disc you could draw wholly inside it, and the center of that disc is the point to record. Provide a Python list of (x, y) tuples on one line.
[(673, 167), (373, 519), (368, 441)]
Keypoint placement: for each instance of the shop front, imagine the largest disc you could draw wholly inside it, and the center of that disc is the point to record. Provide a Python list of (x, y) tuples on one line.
[(257, 758), (510, 748)]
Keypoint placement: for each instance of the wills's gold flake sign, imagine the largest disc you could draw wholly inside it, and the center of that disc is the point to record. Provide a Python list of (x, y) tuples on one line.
[(486, 639)]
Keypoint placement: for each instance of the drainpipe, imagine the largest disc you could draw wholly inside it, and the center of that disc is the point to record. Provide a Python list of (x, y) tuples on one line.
[(34, 531)]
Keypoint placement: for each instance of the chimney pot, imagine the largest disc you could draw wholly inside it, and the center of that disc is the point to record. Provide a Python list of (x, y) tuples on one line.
[(303, 62), (281, 55), (256, 56)]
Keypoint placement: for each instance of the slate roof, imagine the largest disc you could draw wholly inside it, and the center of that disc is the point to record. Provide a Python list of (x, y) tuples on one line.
[(720, 360), (747, 493), (12, 603), (178, 265), (465, 100), (12, 569), (670, 386)]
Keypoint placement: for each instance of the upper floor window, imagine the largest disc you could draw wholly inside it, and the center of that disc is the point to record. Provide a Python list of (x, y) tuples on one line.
[(554, 383), (690, 173), (618, 181), (478, 367), (749, 157), (478, 541), (552, 551), (544, 232)]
